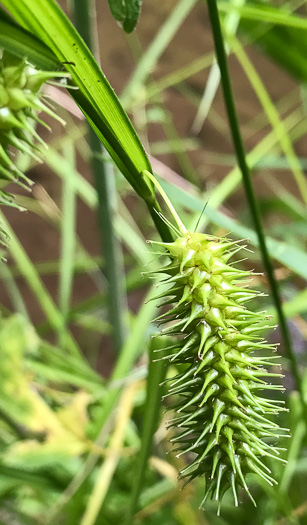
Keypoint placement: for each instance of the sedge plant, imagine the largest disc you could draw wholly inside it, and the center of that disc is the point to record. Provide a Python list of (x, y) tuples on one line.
[(222, 424), (217, 406), (21, 100), (219, 416)]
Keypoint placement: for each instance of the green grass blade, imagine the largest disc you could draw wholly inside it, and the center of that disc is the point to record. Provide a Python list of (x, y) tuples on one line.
[(28, 271), (145, 193), (68, 225), (133, 347), (13, 290), (272, 114), (231, 23), (266, 14), (286, 45), (103, 175), (95, 95), (20, 42), (156, 374)]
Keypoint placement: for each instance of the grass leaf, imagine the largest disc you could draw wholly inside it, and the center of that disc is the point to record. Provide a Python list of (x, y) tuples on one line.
[(95, 96), (267, 14)]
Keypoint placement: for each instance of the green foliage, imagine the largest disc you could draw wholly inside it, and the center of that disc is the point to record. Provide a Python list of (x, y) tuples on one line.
[(40, 429), (127, 12), (95, 95), (83, 437)]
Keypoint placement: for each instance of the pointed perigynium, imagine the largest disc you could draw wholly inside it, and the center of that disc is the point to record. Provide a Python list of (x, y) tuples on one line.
[(220, 420), (21, 101)]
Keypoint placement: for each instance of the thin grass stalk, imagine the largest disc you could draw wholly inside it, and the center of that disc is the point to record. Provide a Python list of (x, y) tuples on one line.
[(8, 279), (232, 179), (105, 186), (132, 349), (182, 156), (113, 257), (32, 278), (108, 467), (272, 115), (67, 240), (156, 374), (249, 190), (103, 176), (231, 25)]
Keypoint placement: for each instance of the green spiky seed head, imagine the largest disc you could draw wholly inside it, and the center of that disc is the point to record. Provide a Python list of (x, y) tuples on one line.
[(21, 100), (221, 421)]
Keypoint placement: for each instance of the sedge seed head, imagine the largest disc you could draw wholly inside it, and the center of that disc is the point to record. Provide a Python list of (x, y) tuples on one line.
[(223, 423), (21, 100)]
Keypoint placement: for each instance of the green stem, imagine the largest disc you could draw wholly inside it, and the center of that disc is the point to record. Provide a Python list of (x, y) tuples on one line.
[(162, 228), (156, 375), (179, 223), (66, 274), (105, 186), (249, 190), (113, 256)]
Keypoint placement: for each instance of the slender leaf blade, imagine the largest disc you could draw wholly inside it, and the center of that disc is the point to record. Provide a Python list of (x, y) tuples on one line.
[(95, 95), (21, 43), (266, 13)]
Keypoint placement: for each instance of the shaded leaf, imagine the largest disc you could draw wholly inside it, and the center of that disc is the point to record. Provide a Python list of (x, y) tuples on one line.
[(127, 12), (133, 10), (118, 9)]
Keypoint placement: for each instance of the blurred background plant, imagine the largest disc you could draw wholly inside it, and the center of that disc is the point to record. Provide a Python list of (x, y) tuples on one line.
[(79, 395)]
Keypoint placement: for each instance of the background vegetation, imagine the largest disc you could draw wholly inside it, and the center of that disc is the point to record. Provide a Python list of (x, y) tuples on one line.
[(79, 395)]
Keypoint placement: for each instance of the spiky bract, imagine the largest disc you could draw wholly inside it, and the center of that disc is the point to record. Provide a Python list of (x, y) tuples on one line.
[(21, 100), (220, 420)]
